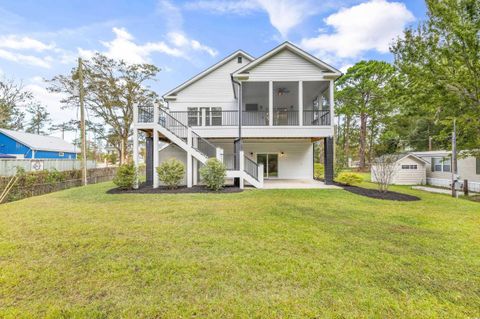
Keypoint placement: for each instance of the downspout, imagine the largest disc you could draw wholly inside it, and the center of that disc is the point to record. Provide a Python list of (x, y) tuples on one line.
[(239, 99)]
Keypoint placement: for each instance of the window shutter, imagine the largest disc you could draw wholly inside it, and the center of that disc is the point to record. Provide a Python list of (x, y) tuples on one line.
[(478, 165), (432, 167)]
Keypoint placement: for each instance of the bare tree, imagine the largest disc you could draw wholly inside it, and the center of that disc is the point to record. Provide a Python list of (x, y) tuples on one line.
[(383, 170), (13, 96)]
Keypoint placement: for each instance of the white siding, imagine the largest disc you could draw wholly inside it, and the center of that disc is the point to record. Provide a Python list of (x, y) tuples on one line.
[(213, 90), (407, 176), (285, 66), (295, 163)]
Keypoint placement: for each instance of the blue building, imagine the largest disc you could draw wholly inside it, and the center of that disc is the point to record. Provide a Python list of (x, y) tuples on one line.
[(26, 145)]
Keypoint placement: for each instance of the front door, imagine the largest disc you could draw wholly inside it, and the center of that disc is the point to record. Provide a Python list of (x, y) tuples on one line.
[(270, 164)]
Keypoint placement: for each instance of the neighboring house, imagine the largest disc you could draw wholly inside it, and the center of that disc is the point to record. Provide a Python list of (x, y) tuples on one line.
[(25, 145), (409, 170), (439, 168), (260, 116)]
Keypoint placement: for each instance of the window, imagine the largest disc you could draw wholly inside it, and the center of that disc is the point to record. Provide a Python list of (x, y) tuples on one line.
[(409, 167), (251, 107), (441, 164), (216, 114), (239, 59), (61, 154), (193, 116)]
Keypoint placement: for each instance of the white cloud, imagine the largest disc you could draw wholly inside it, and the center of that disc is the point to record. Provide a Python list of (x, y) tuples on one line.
[(44, 62), (123, 47), (368, 26), (284, 15), (15, 42)]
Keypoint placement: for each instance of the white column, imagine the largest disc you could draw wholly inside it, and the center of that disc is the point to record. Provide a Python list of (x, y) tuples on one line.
[(189, 160), (135, 155), (135, 114), (270, 103), (155, 115), (260, 174), (300, 103), (203, 121), (242, 168), (331, 101), (156, 181), (195, 172)]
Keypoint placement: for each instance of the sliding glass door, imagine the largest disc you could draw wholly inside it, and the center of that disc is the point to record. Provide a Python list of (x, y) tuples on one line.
[(270, 164)]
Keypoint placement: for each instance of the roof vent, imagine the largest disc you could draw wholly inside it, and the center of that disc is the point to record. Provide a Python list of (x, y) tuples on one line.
[(239, 59)]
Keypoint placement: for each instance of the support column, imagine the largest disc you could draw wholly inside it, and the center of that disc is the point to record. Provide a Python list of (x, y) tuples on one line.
[(300, 103), (270, 103), (189, 160), (328, 160), (156, 181), (331, 101), (149, 160), (195, 171), (242, 168), (135, 155)]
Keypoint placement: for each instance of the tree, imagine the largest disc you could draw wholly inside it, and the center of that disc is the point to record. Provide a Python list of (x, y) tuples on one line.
[(383, 170), (39, 118), (13, 96), (440, 61), (112, 88), (363, 94)]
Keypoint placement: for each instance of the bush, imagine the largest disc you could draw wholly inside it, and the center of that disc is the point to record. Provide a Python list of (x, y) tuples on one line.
[(319, 172), (350, 179), (126, 176), (171, 172), (213, 174)]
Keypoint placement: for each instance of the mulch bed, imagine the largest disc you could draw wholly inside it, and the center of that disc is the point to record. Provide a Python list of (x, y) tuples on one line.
[(144, 189), (373, 193)]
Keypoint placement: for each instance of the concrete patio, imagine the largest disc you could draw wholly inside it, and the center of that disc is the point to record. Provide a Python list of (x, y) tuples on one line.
[(296, 184)]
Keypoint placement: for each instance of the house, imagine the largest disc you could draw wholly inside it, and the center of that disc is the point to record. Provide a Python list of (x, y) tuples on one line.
[(409, 170), (25, 145), (439, 168), (260, 116)]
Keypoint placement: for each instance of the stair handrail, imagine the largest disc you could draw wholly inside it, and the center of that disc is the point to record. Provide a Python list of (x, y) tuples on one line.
[(163, 112), (251, 167)]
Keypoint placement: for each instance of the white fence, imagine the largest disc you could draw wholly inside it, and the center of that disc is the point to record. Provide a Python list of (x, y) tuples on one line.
[(8, 167), (440, 182)]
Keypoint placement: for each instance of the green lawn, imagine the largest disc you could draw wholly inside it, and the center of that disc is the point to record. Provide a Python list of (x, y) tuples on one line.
[(267, 254)]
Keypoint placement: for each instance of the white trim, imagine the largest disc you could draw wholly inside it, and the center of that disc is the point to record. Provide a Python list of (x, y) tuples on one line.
[(169, 94), (287, 45)]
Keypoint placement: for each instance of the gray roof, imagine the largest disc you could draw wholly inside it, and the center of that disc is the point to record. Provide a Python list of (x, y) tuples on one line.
[(400, 156), (40, 142)]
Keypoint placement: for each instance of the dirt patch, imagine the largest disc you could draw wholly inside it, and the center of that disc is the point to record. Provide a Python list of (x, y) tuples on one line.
[(144, 189), (373, 193)]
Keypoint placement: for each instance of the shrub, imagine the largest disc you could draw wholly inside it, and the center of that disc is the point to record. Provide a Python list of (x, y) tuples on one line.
[(319, 171), (213, 174), (350, 179), (171, 172), (126, 176)]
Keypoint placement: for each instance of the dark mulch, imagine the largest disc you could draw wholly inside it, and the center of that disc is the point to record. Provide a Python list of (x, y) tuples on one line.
[(373, 193), (144, 189)]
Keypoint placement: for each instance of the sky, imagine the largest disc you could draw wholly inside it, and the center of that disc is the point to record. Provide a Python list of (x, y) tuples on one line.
[(43, 38)]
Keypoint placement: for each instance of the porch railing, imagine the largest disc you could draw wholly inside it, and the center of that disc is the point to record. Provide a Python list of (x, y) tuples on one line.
[(255, 118), (207, 118), (316, 117), (285, 117), (203, 146), (145, 113), (251, 167)]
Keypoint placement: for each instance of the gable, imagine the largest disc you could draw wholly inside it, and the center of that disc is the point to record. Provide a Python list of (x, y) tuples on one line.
[(287, 62), (215, 76), (213, 87)]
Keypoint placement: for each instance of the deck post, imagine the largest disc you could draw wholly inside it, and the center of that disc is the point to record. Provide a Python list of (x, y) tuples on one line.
[(195, 172), (260, 174), (156, 181), (149, 160), (328, 160), (135, 114), (300, 103), (242, 168), (189, 160), (156, 113), (135, 155), (270, 103)]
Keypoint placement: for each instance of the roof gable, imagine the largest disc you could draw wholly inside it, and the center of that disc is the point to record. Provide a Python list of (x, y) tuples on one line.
[(171, 94), (39, 142), (327, 69)]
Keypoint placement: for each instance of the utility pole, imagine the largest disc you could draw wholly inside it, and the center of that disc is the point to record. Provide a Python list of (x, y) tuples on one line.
[(454, 158), (81, 96)]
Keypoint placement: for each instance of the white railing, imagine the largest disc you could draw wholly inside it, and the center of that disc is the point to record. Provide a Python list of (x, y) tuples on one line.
[(446, 183), (8, 167)]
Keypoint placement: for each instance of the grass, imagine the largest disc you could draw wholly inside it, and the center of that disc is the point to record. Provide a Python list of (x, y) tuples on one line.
[(82, 253)]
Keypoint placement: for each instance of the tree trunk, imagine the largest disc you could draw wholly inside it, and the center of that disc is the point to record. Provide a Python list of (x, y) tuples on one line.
[(363, 138), (346, 138), (122, 151)]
